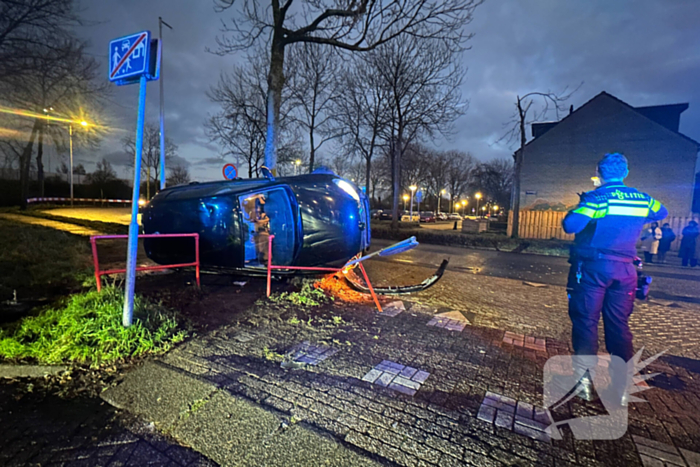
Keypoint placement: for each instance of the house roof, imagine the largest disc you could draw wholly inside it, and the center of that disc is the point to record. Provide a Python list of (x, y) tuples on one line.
[(667, 116)]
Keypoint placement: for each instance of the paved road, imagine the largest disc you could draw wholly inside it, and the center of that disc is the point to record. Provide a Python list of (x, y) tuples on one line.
[(671, 282)]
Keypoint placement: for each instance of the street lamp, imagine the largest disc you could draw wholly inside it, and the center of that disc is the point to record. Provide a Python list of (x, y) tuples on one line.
[(442, 192), (405, 198), (413, 189), (495, 209), (478, 197), (297, 163), (70, 133), (82, 123)]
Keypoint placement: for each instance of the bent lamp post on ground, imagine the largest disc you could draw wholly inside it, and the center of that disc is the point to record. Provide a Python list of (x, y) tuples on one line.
[(99, 273), (270, 267)]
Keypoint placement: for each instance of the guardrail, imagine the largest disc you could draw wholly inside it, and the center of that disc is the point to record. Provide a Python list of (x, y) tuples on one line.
[(96, 261)]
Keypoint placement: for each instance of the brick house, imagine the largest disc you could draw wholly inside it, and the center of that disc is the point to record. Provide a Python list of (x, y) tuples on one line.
[(560, 161)]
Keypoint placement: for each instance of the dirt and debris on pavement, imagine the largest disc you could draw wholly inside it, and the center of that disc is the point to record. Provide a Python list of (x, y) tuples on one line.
[(498, 356)]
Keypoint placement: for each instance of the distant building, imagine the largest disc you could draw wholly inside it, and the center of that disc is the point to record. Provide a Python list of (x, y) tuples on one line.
[(560, 161)]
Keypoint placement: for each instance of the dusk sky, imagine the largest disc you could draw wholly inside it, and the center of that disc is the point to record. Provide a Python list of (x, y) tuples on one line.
[(644, 52)]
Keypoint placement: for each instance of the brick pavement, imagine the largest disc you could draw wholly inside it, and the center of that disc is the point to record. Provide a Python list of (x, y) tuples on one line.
[(439, 423), (44, 430)]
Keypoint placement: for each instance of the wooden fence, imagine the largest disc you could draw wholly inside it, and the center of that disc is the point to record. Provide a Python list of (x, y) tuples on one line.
[(547, 225)]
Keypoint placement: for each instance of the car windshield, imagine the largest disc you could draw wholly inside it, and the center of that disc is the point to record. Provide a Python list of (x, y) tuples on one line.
[(264, 214)]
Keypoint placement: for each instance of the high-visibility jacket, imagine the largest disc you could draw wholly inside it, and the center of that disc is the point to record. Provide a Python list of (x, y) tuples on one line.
[(608, 221)]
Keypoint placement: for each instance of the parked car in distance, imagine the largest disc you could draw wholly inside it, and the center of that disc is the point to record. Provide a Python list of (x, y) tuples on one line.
[(427, 216), (441, 216), (454, 217), (385, 216), (407, 217), (375, 213)]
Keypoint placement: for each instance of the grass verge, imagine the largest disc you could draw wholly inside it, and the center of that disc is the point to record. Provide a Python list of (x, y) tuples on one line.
[(39, 260), (87, 329), (458, 238), (108, 228)]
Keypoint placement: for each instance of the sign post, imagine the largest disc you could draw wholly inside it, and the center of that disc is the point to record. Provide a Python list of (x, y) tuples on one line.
[(132, 61)]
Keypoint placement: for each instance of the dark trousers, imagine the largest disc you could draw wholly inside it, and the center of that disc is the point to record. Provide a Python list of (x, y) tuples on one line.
[(648, 257), (606, 287)]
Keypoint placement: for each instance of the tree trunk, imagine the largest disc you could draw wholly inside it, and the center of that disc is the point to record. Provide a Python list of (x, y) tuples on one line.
[(368, 170), (312, 153), (39, 162), (275, 83), (395, 182), (25, 161), (516, 176)]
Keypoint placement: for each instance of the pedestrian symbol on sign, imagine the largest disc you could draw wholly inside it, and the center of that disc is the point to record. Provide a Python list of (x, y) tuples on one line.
[(129, 56)]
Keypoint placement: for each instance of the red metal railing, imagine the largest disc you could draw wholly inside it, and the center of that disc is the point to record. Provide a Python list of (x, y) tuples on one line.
[(270, 267), (95, 259)]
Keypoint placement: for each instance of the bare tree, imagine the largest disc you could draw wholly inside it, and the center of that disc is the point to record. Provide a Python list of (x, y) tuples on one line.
[(422, 77), (103, 174), (63, 80), (459, 176), (350, 25), (150, 156), (179, 175), (360, 110), (240, 126), (313, 85), (495, 179), (29, 28), (516, 131)]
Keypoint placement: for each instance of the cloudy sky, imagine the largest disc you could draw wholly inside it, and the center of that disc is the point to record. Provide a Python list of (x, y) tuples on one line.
[(645, 52)]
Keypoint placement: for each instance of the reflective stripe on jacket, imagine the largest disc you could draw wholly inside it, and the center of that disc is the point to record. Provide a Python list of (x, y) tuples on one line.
[(610, 219)]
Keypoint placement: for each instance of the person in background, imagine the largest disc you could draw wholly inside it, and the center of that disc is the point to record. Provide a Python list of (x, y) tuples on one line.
[(687, 252), (667, 237), (650, 242)]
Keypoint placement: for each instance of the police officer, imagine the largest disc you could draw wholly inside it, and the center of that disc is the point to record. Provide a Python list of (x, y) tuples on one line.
[(607, 223)]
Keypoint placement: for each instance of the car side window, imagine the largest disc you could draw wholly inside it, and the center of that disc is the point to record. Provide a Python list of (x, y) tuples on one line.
[(263, 214)]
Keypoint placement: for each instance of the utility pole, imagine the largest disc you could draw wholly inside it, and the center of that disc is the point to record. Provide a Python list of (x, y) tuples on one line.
[(162, 107)]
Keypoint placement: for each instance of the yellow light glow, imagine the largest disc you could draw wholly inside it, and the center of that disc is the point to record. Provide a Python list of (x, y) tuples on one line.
[(464, 202), (405, 197), (413, 188), (483, 208), (495, 208), (142, 202), (297, 162), (44, 116), (443, 191), (477, 196)]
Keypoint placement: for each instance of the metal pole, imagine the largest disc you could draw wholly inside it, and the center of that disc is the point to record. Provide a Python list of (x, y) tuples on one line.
[(439, 196), (70, 133), (411, 219), (162, 104), (134, 225)]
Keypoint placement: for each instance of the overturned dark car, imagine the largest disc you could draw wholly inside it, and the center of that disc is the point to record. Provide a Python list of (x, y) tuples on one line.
[(318, 219)]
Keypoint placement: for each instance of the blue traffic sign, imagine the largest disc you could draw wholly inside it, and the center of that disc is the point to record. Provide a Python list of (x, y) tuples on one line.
[(419, 196), (129, 57), (230, 172)]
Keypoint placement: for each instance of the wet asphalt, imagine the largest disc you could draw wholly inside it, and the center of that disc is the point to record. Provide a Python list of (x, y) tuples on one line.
[(670, 281)]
